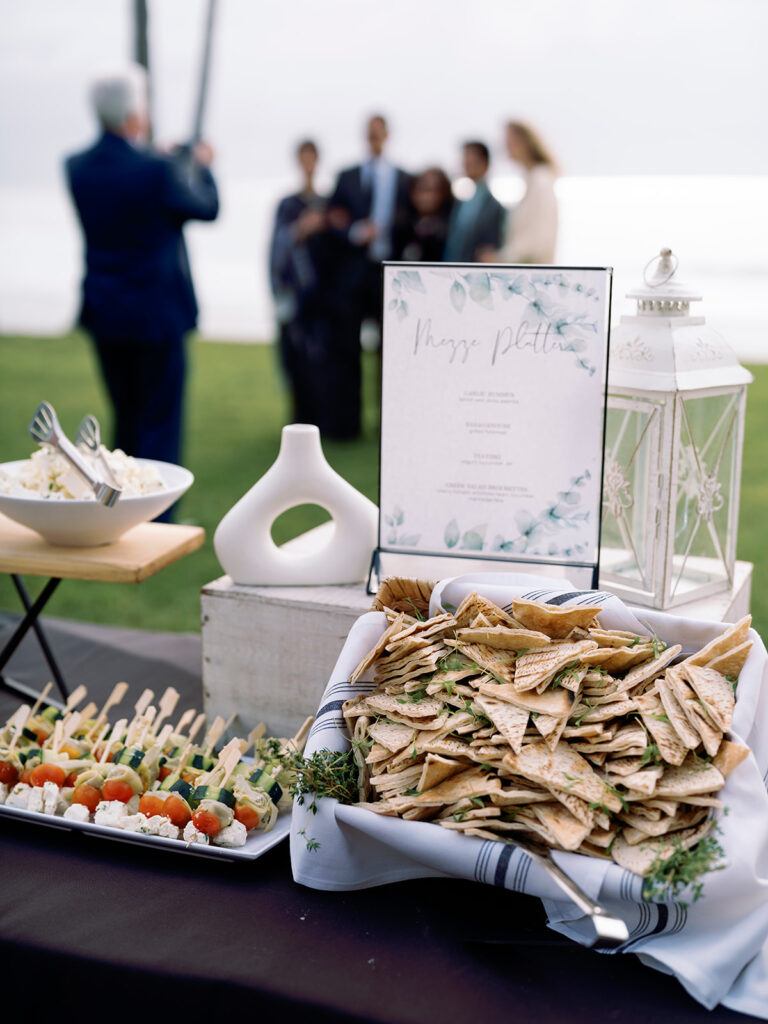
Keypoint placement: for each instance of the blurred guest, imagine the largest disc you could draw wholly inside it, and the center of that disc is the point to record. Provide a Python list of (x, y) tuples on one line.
[(423, 240), (368, 206), (297, 272), (477, 223), (137, 296), (531, 234)]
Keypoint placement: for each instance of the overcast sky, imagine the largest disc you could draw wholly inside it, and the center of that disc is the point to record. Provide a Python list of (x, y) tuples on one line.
[(616, 86)]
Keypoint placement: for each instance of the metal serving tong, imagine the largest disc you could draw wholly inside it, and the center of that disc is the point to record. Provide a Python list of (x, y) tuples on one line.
[(89, 436), (46, 429), (610, 931)]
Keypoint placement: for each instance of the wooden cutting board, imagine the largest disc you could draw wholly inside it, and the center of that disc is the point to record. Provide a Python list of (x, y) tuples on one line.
[(138, 554)]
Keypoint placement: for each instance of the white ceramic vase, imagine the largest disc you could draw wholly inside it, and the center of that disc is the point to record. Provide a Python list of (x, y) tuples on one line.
[(337, 552)]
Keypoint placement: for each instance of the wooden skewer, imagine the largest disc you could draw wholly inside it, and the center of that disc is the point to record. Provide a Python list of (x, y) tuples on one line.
[(300, 738), (58, 735), (213, 735), (196, 726), (70, 726), (146, 725), (36, 706), (88, 711), (229, 758), (143, 702), (167, 705), (185, 719), (76, 697), (255, 734), (101, 737), (118, 692), (16, 723), (116, 735), (156, 749)]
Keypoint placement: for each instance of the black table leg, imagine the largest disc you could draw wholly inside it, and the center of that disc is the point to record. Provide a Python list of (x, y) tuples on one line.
[(30, 621)]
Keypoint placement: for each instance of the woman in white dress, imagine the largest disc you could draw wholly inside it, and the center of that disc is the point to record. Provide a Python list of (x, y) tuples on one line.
[(531, 233)]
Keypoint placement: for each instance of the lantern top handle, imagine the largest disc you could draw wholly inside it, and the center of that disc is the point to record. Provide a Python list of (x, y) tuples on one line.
[(667, 264), (662, 294)]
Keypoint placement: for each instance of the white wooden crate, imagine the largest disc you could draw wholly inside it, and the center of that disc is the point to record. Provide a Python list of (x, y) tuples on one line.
[(268, 651)]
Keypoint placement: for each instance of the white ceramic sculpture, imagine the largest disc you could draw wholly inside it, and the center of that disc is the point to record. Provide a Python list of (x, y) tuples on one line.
[(301, 475)]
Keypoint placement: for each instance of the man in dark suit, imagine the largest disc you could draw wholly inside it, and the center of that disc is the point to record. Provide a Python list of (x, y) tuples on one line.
[(477, 224), (137, 296), (368, 213)]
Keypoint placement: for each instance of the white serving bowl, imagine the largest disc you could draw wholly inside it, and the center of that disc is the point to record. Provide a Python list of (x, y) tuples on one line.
[(72, 522)]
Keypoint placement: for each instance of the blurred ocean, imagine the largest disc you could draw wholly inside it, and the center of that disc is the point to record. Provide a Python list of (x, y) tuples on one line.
[(717, 226)]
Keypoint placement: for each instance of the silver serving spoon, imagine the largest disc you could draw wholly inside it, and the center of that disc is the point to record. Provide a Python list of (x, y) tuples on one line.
[(610, 931), (46, 429), (89, 436)]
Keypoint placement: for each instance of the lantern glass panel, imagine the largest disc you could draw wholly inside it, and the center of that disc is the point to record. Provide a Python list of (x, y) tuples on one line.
[(703, 496), (629, 498)]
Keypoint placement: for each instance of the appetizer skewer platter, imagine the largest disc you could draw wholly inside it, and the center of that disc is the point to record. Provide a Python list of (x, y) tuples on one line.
[(152, 777)]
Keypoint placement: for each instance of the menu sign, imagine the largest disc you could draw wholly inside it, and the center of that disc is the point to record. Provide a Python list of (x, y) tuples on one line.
[(493, 405)]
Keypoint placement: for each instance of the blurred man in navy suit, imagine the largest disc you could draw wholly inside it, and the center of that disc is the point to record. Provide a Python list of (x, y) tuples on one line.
[(137, 296), (368, 214)]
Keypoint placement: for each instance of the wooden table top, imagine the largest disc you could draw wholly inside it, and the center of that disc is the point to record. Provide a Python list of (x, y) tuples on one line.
[(138, 554)]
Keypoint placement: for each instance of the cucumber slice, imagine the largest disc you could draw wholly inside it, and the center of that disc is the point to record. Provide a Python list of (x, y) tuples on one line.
[(128, 756), (181, 787), (29, 753), (224, 796), (261, 780), (29, 734), (51, 714), (201, 761)]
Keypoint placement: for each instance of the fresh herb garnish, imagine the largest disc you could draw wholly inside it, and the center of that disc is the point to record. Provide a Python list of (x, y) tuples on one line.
[(651, 755), (670, 874), (326, 773)]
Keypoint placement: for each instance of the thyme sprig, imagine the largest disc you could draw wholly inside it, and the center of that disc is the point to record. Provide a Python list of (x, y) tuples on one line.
[(670, 875)]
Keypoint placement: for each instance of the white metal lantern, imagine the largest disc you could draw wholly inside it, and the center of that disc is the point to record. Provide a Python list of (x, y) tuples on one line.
[(674, 438)]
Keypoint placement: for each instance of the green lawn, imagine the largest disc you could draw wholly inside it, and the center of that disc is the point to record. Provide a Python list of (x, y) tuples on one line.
[(236, 406)]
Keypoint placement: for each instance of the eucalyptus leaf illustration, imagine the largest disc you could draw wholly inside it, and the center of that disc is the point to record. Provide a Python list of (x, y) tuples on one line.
[(480, 288), (392, 537), (451, 534), (402, 310), (393, 304), (409, 539), (474, 539), (398, 516), (412, 280), (458, 296)]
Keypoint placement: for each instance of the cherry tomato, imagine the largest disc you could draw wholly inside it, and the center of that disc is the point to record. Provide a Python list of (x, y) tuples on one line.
[(26, 776), (189, 777), (151, 805), (42, 736), (98, 752), (177, 809), (48, 773), (116, 789), (71, 779), (247, 816), (164, 772), (87, 795), (70, 750), (9, 773), (206, 822)]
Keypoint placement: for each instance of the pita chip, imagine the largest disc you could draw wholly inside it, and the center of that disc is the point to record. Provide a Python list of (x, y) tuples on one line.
[(511, 721), (564, 769), (714, 689), (474, 605), (568, 831), (391, 735), (729, 756), (652, 712), (732, 662), (373, 655), (538, 668), (504, 638), (732, 637), (555, 620), (689, 779), (648, 670)]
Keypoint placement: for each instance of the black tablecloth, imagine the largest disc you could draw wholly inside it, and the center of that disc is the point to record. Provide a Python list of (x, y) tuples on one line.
[(136, 932)]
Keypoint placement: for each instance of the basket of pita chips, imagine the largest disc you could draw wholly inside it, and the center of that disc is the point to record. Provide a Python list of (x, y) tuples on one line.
[(619, 740)]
